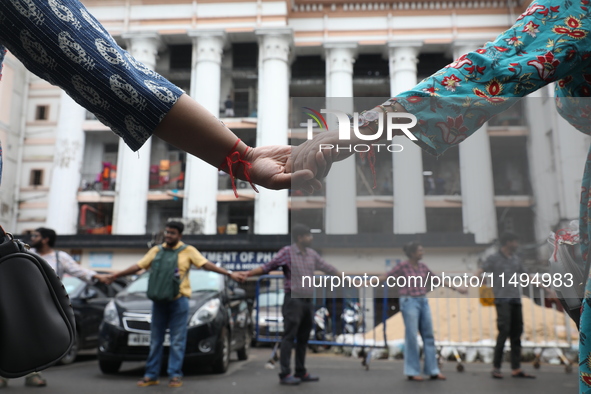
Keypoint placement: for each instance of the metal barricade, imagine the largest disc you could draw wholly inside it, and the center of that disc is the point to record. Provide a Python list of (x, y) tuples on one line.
[(462, 322), (338, 322)]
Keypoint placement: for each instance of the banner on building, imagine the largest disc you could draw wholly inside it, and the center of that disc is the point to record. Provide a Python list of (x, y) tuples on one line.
[(239, 261)]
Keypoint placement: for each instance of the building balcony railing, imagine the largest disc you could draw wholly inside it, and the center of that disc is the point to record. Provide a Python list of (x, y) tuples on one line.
[(168, 174), (101, 182)]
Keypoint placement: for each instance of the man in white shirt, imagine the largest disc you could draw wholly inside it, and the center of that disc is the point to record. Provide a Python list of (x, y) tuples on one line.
[(43, 242)]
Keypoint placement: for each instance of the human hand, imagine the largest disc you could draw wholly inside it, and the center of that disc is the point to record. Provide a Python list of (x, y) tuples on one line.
[(269, 169), (104, 278), (239, 277), (310, 156)]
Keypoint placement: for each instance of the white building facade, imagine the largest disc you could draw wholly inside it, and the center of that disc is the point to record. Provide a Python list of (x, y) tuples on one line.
[(65, 170)]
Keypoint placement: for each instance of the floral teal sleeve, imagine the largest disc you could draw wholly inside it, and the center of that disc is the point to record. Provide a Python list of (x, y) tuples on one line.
[(548, 43)]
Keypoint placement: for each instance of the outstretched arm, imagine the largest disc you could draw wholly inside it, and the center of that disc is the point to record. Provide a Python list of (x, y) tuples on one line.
[(546, 44), (144, 263), (189, 126), (128, 271), (282, 258), (255, 272), (237, 276), (78, 55), (70, 267)]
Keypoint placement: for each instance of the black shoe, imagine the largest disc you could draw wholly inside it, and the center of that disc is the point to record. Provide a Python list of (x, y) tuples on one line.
[(308, 378), (290, 380)]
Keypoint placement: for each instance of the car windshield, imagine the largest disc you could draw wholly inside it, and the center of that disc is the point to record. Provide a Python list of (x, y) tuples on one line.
[(200, 281), (271, 299), (72, 283)]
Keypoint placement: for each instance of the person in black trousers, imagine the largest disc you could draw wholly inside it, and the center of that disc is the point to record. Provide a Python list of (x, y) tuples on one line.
[(296, 261), (504, 265)]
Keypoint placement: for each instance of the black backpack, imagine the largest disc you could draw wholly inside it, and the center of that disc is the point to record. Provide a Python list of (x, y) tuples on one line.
[(164, 281), (37, 326)]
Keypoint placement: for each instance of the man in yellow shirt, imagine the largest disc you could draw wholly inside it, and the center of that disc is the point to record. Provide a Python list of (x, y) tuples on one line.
[(172, 314)]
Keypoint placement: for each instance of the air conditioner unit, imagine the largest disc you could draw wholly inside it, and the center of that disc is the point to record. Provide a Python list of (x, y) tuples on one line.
[(192, 226), (232, 229)]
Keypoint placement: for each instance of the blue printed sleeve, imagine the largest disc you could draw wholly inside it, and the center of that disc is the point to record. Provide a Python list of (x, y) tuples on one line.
[(61, 42)]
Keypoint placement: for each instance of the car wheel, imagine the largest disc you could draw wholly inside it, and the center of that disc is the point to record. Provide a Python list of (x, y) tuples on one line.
[(109, 367), (222, 361), (243, 351), (72, 354)]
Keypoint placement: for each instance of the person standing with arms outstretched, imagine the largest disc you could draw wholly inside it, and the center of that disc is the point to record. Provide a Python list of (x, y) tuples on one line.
[(173, 314), (296, 261)]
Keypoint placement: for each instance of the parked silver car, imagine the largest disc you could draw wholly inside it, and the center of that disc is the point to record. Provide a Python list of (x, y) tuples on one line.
[(267, 316)]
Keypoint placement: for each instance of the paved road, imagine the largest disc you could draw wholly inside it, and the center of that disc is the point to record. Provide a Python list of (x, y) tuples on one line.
[(339, 374)]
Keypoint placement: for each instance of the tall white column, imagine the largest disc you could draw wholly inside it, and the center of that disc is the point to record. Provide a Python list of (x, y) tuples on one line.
[(556, 150), (479, 215), (62, 212), (571, 148), (270, 207), (201, 180), (409, 194), (341, 190), (133, 168), (545, 182)]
